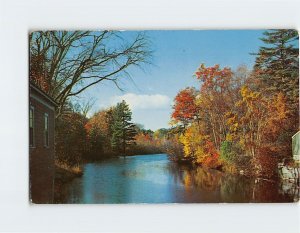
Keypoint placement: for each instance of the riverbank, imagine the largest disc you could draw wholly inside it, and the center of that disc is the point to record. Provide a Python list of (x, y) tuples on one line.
[(225, 168), (64, 175)]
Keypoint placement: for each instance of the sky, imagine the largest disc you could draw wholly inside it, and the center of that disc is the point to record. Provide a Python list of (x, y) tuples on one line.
[(176, 56)]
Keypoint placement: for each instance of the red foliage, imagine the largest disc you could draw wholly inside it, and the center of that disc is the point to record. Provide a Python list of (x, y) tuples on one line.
[(213, 77), (212, 158), (185, 108), (38, 73), (88, 126), (143, 138), (266, 162)]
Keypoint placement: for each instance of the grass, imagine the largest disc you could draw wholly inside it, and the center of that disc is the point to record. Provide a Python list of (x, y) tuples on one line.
[(76, 170)]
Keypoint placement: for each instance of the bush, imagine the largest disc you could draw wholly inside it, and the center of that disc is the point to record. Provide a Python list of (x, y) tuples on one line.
[(174, 149), (70, 139), (266, 163), (226, 152)]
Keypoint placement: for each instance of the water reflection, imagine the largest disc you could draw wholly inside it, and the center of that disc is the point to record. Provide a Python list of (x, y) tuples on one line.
[(236, 188), (154, 179)]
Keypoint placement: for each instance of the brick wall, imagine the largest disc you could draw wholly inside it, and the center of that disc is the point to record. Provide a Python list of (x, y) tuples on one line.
[(41, 157)]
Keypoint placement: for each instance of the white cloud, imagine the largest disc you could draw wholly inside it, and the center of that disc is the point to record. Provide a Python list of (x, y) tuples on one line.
[(135, 101)]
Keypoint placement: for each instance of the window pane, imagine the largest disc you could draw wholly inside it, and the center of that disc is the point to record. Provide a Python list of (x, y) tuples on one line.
[(31, 118), (46, 132), (31, 136), (45, 122), (31, 126), (47, 139)]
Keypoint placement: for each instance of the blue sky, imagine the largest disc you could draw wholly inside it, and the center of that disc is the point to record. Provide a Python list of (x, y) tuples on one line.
[(176, 56)]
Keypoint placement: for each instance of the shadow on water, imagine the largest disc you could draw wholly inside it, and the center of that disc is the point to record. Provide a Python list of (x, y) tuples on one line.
[(154, 179)]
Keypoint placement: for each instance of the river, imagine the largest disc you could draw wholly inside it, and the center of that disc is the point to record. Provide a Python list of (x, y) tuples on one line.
[(155, 179)]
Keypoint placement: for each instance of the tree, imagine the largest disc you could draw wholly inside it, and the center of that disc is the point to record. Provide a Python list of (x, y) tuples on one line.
[(193, 143), (70, 139), (276, 132), (84, 107), (99, 134), (250, 120), (277, 67), (277, 63), (258, 128), (66, 63), (185, 109), (215, 98), (123, 131), (198, 148), (161, 134)]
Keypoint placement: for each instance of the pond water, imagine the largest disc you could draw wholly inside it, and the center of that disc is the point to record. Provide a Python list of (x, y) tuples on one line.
[(155, 179)]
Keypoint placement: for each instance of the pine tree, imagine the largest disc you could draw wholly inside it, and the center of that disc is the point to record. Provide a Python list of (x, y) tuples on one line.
[(123, 131), (277, 66), (277, 63)]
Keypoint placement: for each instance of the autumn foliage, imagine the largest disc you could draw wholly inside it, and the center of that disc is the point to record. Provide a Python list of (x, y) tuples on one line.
[(231, 123), (185, 109)]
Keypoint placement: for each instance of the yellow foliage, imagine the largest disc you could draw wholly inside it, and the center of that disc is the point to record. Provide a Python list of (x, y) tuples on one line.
[(229, 137), (229, 168), (193, 143)]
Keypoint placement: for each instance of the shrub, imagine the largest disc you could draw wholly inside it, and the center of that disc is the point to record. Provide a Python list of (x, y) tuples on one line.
[(70, 139), (266, 163), (226, 152)]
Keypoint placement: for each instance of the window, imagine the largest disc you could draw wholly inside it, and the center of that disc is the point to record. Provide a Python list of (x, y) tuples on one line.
[(46, 130), (31, 126)]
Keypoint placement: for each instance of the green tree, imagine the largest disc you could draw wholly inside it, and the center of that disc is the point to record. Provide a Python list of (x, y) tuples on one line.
[(226, 151), (123, 131), (277, 63)]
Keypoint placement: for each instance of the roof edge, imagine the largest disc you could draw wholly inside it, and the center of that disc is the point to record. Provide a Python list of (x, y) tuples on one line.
[(295, 134), (36, 88)]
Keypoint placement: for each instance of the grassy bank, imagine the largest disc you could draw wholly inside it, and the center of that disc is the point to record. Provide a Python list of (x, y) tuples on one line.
[(63, 175)]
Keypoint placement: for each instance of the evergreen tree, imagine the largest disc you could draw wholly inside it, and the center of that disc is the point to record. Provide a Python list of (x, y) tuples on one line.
[(123, 131), (277, 63), (277, 66)]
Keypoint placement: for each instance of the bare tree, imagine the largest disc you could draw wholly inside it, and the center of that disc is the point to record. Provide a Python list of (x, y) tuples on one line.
[(66, 63), (84, 107)]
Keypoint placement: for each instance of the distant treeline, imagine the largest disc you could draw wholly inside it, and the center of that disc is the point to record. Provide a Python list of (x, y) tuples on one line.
[(107, 133)]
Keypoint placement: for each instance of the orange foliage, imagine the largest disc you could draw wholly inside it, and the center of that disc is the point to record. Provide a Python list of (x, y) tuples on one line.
[(143, 138), (213, 77), (38, 72), (234, 108), (185, 108), (212, 156)]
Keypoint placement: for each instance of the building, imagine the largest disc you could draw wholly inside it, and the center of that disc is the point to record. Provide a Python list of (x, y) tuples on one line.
[(41, 145), (296, 146)]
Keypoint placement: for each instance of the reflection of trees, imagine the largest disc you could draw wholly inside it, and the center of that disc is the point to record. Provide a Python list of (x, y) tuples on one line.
[(290, 189), (243, 189), (202, 178), (206, 179), (236, 189), (177, 171), (270, 191), (232, 188)]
